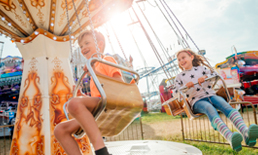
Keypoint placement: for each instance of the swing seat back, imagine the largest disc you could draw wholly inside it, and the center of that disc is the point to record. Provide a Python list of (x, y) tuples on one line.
[(173, 107), (189, 111), (123, 104)]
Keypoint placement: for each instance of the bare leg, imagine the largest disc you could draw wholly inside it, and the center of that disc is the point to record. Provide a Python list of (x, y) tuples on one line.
[(63, 133), (81, 109)]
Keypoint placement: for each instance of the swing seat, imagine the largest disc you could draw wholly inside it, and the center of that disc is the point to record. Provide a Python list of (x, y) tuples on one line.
[(174, 106), (189, 112), (215, 78), (124, 104), (121, 103)]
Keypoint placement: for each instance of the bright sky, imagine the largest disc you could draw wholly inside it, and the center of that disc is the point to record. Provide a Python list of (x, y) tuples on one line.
[(214, 25)]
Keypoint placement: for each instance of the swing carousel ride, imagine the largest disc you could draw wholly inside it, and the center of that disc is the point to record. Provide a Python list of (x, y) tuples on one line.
[(44, 32)]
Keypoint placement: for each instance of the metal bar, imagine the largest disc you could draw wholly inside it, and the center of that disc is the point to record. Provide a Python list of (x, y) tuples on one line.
[(123, 135), (4, 141), (135, 128), (197, 129), (248, 116), (132, 131), (193, 129), (226, 125), (182, 126), (119, 137), (127, 134), (141, 128), (214, 138), (204, 128), (200, 128), (218, 132), (257, 109), (185, 127), (209, 128), (189, 128)]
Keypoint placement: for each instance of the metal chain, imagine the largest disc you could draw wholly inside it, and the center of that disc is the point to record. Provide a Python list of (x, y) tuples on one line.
[(69, 30), (182, 26), (178, 37), (154, 48), (92, 28), (109, 40), (183, 39), (74, 7), (118, 42), (157, 38)]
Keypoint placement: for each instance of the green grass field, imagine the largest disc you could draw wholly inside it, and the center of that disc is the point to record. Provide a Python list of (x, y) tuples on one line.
[(206, 148), (157, 117)]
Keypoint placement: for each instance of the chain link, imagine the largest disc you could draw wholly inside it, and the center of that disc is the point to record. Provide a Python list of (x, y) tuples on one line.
[(101, 2), (109, 40), (119, 42), (74, 7), (92, 28), (69, 29)]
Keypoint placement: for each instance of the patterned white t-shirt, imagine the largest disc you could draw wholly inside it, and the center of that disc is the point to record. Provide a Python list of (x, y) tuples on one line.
[(197, 92)]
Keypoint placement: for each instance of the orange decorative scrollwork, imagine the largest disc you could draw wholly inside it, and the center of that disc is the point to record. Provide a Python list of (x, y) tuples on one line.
[(60, 92), (63, 6), (8, 5), (40, 146), (84, 144), (27, 135), (37, 3), (69, 5)]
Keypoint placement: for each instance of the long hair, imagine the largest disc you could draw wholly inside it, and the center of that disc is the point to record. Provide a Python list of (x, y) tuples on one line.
[(197, 61)]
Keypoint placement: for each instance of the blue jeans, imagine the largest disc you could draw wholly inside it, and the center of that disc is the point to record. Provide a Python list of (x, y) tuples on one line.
[(209, 106)]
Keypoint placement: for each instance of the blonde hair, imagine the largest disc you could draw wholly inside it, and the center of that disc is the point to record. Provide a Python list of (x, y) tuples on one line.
[(99, 37), (197, 61)]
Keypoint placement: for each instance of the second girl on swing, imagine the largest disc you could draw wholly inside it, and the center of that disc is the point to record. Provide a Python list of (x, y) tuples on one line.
[(203, 99)]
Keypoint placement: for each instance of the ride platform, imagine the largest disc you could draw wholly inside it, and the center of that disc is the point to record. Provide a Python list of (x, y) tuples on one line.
[(150, 147)]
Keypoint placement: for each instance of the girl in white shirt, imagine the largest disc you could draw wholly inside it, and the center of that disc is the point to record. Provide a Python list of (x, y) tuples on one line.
[(204, 100)]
